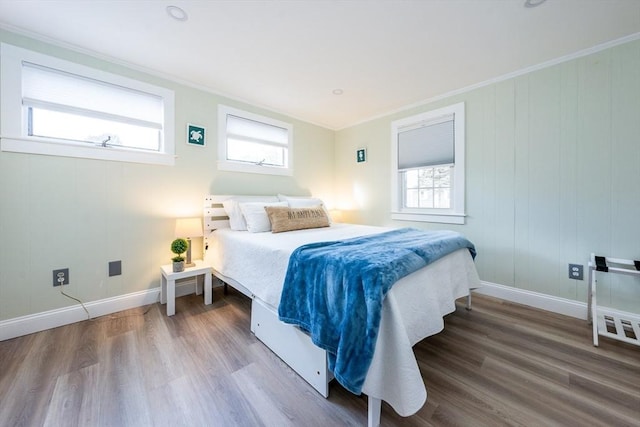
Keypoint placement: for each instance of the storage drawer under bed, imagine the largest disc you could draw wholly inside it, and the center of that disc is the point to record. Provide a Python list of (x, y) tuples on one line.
[(292, 345)]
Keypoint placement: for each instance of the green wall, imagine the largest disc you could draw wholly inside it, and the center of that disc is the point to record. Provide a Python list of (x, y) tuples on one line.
[(553, 169), (553, 174), (58, 212)]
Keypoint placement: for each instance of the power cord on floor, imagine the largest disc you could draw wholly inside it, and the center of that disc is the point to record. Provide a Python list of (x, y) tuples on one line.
[(149, 307), (61, 281), (110, 317)]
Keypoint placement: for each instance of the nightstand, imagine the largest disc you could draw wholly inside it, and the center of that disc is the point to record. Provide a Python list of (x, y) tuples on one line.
[(168, 283)]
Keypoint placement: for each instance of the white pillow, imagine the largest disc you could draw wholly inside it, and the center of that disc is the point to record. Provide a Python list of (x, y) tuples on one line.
[(300, 202), (305, 202), (236, 221), (256, 216), (231, 207)]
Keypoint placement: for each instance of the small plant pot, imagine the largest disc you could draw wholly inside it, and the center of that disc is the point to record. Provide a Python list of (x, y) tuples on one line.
[(178, 266)]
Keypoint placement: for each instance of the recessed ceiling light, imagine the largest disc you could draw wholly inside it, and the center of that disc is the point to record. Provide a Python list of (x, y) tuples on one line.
[(177, 13), (533, 3), (338, 92)]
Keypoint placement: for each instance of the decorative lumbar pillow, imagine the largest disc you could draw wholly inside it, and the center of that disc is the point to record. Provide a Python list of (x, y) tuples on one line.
[(304, 202), (256, 217), (289, 219)]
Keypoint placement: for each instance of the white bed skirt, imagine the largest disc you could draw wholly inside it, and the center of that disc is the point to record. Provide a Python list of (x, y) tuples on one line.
[(413, 309)]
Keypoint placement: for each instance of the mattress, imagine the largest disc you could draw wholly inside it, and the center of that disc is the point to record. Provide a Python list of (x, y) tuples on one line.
[(413, 309)]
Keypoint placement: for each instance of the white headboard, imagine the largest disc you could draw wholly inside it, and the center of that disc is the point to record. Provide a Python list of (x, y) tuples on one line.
[(214, 214), (214, 217)]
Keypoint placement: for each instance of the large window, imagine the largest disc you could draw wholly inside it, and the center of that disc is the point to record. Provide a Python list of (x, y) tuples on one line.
[(55, 107), (428, 166), (251, 143)]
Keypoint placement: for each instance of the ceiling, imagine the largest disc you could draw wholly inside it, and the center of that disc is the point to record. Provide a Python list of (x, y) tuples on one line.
[(290, 56)]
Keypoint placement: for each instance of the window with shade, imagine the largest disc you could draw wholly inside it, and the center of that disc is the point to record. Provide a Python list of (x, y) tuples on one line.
[(56, 107), (428, 166), (252, 143)]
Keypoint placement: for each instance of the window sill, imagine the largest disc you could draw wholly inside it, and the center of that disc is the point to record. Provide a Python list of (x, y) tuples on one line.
[(247, 168), (448, 218), (52, 148)]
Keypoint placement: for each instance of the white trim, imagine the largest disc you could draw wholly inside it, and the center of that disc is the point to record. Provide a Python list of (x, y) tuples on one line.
[(63, 316), (30, 145), (551, 303), (32, 323), (456, 214), (575, 55), (229, 165), (29, 324), (249, 168), (151, 72), (423, 217), (117, 61), (13, 123)]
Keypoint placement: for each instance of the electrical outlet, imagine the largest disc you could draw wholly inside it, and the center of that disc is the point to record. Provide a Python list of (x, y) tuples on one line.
[(576, 272), (61, 277)]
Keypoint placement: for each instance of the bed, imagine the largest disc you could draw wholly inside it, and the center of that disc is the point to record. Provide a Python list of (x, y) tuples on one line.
[(255, 263)]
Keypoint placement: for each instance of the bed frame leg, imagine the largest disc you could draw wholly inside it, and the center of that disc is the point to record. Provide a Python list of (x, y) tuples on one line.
[(469, 301), (375, 406)]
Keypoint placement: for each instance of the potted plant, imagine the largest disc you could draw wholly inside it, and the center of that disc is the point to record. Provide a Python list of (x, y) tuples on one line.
[(178, 247)]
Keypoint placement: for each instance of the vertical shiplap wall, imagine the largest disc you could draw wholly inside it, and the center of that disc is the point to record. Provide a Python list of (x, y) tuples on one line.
[(553, 173), (625, 167)]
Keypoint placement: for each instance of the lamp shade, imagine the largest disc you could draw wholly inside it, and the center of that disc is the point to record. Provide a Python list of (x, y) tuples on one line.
[(189, 227)]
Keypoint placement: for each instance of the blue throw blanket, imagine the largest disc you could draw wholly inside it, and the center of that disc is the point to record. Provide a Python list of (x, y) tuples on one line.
[(334, 290)]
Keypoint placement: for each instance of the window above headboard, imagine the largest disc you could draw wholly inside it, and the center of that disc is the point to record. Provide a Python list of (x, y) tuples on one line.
[(248, 142)]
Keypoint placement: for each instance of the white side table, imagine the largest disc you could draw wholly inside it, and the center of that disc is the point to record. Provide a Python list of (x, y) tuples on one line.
[(168, 283)]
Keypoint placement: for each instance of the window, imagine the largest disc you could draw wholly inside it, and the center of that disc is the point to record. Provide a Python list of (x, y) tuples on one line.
[(428, 166), (55, 107), (251, 143)]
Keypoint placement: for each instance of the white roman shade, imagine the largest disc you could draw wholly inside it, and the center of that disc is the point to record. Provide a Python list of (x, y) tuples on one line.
[(427, 144), (56, 90), (256, 142), (241, 128)]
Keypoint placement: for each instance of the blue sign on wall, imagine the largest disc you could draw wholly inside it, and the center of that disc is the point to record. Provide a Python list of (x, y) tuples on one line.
[(195, 135), (361, 155)]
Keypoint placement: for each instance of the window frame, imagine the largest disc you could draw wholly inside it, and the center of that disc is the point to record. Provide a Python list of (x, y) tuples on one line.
[(456, 213), (235, 166), (14, 115)]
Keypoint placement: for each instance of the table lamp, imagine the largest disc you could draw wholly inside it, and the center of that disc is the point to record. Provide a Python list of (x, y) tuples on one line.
[(187, 228)]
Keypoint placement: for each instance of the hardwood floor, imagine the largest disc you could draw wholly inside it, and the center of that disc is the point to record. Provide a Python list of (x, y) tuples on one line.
[(500, 364)]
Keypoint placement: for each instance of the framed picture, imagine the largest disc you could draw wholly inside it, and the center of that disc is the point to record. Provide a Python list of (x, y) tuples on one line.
[(361, 155), (196, 135)]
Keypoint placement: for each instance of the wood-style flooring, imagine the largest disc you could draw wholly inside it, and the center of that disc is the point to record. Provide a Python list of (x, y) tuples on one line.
[(500, 364)]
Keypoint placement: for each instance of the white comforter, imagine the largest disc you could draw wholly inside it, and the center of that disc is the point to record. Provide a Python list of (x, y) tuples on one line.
[(413, 309)]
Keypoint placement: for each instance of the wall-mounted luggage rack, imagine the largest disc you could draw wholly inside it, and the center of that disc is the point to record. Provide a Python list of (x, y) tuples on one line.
[(607, 321)]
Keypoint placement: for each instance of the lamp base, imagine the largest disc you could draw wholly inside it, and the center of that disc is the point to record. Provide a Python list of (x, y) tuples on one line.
[(188, 262)]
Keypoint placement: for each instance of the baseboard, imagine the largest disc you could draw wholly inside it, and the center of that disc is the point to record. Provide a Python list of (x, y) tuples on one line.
[(29, 324), (53, 318), (551, 303)]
